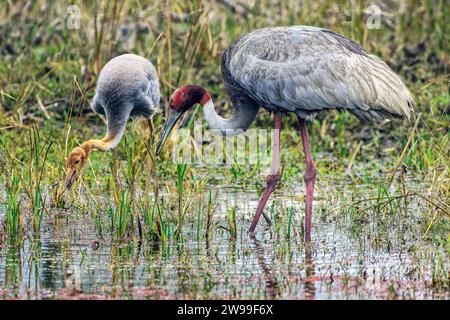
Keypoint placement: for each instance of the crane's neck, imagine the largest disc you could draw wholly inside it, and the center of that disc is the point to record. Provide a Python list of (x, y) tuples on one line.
[(243, 115)]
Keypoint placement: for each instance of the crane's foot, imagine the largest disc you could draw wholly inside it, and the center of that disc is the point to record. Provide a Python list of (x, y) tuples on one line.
[(272, 181)]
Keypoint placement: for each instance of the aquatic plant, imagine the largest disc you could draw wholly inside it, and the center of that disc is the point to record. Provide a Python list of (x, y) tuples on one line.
[(34, 180), (121, 216), (388, 195), (13, 213)]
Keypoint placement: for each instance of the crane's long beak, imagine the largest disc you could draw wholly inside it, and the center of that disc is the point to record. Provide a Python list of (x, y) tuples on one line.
[(71, 177), (174, 116)]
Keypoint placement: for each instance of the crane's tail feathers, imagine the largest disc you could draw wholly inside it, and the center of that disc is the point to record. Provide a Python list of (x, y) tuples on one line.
[(392, 98)]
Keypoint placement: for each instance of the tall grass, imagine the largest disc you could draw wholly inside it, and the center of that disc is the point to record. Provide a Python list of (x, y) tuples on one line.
[(209, 216), (121, 216), (33, 184)]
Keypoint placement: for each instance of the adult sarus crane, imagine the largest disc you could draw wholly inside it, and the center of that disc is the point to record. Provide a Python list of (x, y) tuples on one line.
[(127, 87), (298, 69)]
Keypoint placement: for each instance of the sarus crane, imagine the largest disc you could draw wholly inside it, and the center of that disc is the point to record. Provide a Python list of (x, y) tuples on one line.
[(301, 70), (127, 86)]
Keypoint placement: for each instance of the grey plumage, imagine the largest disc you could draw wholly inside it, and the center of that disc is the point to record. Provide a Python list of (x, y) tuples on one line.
[(306, 70), (127, 86)]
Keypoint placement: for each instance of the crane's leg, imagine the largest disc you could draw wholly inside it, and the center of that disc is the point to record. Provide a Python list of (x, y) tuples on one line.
[(310, 178), (274, 174)]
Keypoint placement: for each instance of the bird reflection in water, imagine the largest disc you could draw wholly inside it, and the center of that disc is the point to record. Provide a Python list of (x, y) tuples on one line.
[(310, 288)]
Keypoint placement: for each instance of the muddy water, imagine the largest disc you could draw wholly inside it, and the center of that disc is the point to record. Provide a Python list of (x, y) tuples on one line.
[(349, 257)]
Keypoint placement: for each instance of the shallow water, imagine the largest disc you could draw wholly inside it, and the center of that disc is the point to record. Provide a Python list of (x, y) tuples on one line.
[(344, 260)]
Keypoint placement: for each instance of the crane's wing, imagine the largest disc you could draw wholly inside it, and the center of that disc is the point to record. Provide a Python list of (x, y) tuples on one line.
[(306, 70)]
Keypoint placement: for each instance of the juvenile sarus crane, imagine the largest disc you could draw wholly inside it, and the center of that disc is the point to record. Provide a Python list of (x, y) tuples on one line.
[(127, 87), (298, 69)]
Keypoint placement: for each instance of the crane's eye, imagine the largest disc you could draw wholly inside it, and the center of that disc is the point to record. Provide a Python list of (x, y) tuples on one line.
[(77, 161)]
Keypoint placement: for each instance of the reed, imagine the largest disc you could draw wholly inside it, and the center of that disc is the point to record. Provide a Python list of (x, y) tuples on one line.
[(13, 213), (121, 217), (33, 183), (231, 221), (182, 170)]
